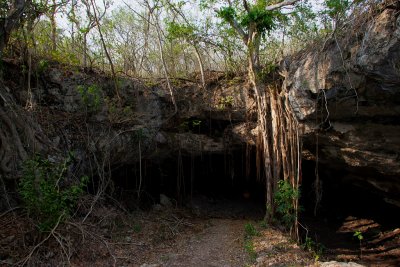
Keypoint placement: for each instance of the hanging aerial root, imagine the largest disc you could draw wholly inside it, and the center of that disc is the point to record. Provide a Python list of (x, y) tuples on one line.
[(20, 135), (278, 144)]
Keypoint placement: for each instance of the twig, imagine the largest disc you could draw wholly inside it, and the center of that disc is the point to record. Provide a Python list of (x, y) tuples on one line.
[(96, 236), (26, 259), (8, 211), (58, 238), (106, 245)]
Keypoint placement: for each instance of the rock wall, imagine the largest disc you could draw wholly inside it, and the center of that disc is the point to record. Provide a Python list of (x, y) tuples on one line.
[(348, 90), (78, 112)]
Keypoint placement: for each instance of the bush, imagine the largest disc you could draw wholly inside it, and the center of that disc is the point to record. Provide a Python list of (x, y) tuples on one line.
[(284, 198), (315, 248), (46, 197), (250, 230)]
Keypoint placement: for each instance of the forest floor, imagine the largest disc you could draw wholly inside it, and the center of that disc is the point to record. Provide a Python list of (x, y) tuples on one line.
[(220, 232), (210, 233), (220, 243)]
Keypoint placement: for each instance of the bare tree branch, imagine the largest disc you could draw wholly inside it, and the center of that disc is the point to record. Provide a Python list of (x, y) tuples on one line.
[(246, 6), (281, 4)]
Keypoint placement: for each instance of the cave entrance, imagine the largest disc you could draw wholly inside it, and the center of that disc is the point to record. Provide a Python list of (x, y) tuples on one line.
[(349, 205), (212, 184)]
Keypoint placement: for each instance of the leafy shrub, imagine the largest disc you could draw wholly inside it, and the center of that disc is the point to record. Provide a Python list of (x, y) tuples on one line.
[(284, 198), (46, 197), (317, 249), (250, 230)]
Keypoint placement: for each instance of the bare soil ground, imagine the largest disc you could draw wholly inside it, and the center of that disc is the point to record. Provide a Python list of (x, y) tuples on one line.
[(220, 243), (213, 234)]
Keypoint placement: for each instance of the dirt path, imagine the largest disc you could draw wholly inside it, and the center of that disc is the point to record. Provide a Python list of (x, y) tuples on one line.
[(219, 244)]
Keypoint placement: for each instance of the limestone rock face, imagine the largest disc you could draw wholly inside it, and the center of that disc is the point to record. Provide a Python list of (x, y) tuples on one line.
[(79, 112), (349, 91)]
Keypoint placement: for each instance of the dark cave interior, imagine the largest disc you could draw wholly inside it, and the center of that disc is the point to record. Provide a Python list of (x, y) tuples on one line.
[(343, 197), (230, 176), (218, 179), (348, 206), (183, 176)]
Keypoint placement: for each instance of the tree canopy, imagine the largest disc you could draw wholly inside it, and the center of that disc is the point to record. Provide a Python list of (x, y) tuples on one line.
[(208, 34)]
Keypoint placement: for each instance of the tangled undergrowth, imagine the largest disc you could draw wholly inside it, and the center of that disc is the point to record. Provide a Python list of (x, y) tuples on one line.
[(108, 237), (48, 197)]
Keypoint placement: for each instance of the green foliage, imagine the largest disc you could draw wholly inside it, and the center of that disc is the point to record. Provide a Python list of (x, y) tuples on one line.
[(196, 123), (264, 224), (66, 53), (250, 230), (315, 248), (91, 96), (249, 247), (285, 198), (303, 25), (257, 15), (190, 125), (227, 13), (334, 8), (65, 57), (46, 195), (42, 66), (358, 235), (225, 102), (176, 30), (263, 19)]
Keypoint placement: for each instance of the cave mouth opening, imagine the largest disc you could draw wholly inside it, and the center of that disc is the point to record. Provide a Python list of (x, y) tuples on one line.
[(348, 205), (211, 184)]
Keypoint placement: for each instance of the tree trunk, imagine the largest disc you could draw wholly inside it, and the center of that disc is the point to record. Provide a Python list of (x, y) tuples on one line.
[(53, 27), (264, 127), (165, 64), (106, 50), (203, 81), (11, 22), (278, 141), (84, 50)]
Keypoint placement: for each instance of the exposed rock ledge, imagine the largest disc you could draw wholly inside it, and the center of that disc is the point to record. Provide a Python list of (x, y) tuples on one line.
[(355, 78), (357, 74)]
